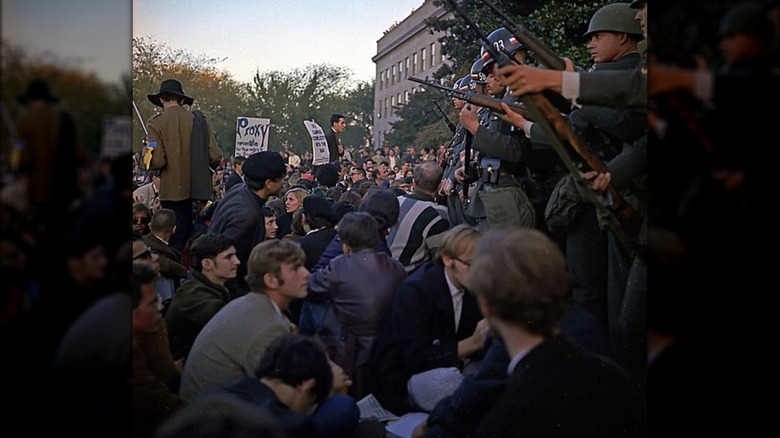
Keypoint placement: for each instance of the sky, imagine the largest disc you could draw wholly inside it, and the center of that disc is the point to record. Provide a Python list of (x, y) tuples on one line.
[(92, 35), (268, 35)]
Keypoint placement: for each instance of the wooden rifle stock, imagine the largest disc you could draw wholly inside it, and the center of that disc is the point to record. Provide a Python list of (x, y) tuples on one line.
[(626, 215)]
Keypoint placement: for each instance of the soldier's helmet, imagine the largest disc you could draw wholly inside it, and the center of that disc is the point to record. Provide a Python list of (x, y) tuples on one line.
[(502, 40), (477, 75), (463, 84), (617, 17), (748, 17)]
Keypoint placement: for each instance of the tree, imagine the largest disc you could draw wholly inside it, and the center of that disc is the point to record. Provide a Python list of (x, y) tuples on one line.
[(221, 98), (290, 97), (360, 121), (420, 123), (82, 93)]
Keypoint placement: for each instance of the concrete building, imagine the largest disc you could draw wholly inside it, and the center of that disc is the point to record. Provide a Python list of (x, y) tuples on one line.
[(406, 49)]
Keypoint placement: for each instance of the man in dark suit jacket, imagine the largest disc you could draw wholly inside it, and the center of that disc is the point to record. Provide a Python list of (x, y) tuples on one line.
[(423, 333), (239, 215), (555, 389), (337, 126)]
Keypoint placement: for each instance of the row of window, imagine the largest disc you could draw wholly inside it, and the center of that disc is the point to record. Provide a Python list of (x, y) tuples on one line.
[(409, 66), (386, 105)]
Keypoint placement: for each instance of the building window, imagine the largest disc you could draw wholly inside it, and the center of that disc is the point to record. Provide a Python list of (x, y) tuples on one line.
[(414, 63), (398, 99), (423, 59), (406, 96), (400, 70), (381, 80), (385, 107), (387, 76), (433, 54), (407, 66), (392, 81)]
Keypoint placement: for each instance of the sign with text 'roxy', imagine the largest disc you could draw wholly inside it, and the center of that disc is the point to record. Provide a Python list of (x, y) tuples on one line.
[(251, 135)]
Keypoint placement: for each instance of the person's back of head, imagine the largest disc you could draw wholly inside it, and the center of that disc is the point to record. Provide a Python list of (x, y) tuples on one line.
[(262, 166), (358, 231), (328, 175), (294, 359), (383, 206), (208, 246), (218, 415), (163, 221), (267, 257), (522, 278), (427, 176)]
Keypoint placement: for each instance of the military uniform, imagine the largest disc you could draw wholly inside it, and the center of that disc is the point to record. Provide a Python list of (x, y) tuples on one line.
[(498, 199)]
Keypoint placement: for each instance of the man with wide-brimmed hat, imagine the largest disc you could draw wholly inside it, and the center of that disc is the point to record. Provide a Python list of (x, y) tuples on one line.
[(51, 155), (184, 149)]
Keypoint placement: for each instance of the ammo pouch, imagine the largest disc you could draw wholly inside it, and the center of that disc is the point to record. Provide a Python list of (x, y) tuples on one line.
[(507, 207), (490, 168)]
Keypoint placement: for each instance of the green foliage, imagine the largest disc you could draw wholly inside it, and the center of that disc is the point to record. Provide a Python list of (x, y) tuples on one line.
[(290, 97), (560, 24), (83, 94), (421, 124), (221, 98), (359, 114)]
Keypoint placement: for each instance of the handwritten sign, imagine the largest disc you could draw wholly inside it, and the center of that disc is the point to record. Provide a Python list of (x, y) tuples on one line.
[(251, 135), (319, 144), (117, 136)]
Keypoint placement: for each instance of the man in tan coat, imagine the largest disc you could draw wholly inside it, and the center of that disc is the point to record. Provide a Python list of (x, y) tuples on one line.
[(184, 149)]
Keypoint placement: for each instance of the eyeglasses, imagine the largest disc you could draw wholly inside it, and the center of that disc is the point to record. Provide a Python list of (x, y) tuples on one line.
[(147, 254), (141, 220), (467, 263)]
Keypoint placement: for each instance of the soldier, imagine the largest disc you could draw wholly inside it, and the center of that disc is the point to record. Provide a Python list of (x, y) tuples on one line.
[(184, 149), (450, 187), (499, 199), (613, 33)]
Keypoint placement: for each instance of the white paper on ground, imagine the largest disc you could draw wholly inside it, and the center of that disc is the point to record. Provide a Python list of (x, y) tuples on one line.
[(370, 409), (405, 425)]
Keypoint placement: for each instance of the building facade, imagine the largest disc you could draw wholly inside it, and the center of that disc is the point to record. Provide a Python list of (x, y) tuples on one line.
[(406, 49)]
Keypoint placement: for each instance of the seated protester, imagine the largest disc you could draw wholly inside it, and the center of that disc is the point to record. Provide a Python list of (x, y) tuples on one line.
[(142, 215), (154, 398), (294, 382), (230, 345), (162, 227), (555, 389), (353, 320), (219, 415), (435, 331), (214, 262), (383, 206), (319, 217)]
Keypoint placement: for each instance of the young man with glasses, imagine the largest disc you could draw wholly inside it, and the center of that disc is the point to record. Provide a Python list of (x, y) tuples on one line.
[(434, 331)]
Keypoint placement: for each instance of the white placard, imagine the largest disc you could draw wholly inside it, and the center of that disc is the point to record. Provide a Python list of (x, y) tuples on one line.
[(117, 138), (251, 135), (319, 144)]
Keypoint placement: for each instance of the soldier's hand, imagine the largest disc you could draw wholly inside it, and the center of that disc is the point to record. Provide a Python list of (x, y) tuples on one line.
[(468, 118), (599, 182), (524, 79), (512, 117)]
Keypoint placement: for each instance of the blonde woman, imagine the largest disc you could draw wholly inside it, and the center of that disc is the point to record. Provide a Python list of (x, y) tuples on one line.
[(293, 201)]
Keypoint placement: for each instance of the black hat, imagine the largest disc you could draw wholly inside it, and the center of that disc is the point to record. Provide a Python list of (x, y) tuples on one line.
[(169, 86), (319, 207), (37, 89), (264, 165)]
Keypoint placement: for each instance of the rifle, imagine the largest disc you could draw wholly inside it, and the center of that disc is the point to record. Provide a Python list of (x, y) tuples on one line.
[(622, 219), (544, 53), (140, 119), (478, 99), (444, 116)]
